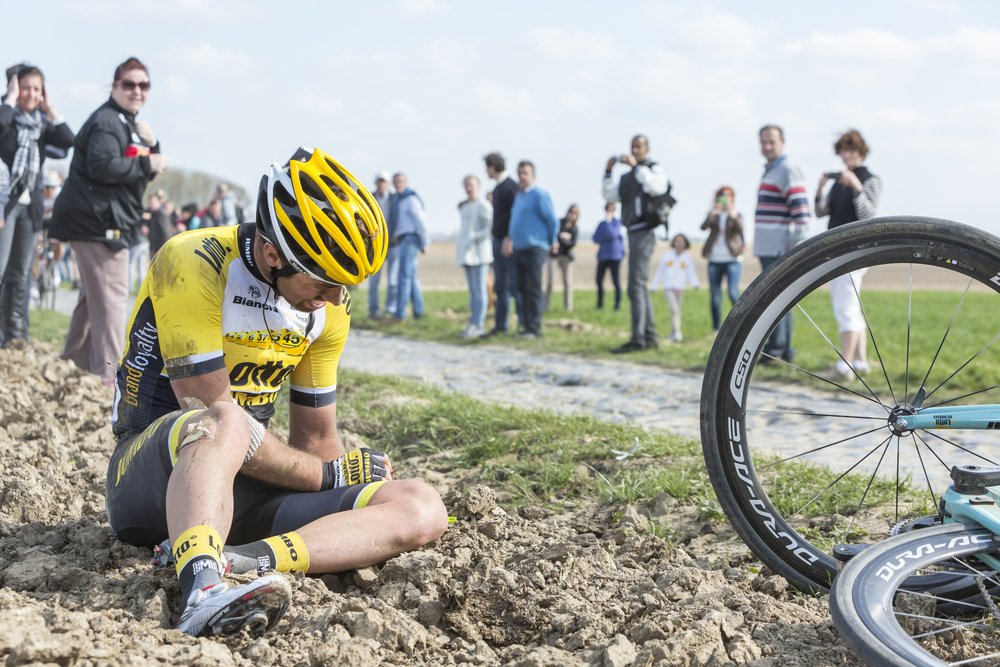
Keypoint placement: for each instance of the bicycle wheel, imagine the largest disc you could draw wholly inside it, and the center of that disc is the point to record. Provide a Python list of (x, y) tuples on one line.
[(886, 623), (802, 462)]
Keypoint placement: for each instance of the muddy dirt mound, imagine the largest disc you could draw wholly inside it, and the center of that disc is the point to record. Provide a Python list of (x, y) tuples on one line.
[(594, 587)]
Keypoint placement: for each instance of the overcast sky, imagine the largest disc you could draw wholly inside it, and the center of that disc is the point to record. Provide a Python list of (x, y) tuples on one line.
[(429, 86)]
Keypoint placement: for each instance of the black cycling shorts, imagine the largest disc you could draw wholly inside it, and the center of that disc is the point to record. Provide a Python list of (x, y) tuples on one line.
[(137, 491)]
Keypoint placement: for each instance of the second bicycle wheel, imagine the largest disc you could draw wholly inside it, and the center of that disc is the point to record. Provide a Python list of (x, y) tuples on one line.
[(888, 624), (801, 459)]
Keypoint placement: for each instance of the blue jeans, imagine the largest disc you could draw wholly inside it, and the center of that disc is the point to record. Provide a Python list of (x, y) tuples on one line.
[(528, 266), (780, 342), (503, 286), (17, 252), (408, 288), (390, 269), (716, 272), (475, 276)]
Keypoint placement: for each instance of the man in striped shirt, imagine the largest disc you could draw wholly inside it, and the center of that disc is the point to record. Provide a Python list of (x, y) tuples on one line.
[(781, 222)]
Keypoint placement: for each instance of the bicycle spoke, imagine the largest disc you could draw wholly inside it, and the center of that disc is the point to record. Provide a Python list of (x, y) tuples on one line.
[(812, 414), (923, 467), (968, 361), (871, 334), (842, 476), (962, 447), (841, 356), (872, 398), (947, 330), (868, 487), (909, 316), (958, 398), (821, 447)]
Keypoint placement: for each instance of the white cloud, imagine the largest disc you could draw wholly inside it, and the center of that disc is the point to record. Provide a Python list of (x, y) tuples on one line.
[(498, 99), (904, 118), (206, 57), (573, 45), (418, 7), (863, 44), (977, 43), (721, 33)]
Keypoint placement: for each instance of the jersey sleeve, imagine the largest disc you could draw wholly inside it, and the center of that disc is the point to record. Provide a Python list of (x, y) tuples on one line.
[(314, 380), (187, 285)]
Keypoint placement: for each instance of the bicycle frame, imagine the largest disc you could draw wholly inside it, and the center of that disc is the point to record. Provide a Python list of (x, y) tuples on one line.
[(960, 416)]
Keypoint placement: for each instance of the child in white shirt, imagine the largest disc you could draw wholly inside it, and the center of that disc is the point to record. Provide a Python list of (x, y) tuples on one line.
[(674, 274)]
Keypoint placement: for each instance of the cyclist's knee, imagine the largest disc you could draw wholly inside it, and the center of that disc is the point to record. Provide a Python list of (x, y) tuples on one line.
[(222, 425), (421, 510)]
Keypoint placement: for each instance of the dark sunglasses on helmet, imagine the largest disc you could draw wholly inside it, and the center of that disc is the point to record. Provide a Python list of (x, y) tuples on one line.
[(132, 85)]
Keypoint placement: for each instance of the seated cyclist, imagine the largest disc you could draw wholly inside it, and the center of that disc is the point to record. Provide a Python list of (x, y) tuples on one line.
[(223, 317)]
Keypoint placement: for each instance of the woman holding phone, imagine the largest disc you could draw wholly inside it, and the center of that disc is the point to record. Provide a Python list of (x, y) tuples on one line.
[(30, 127), (854, 196), (723, 250), (99, 211)]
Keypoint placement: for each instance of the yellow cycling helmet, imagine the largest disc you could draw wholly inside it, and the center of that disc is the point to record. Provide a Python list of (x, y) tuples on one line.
[(323, 221)]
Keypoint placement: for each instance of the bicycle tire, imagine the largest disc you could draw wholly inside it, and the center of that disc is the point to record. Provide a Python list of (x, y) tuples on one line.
[(733, 448), (865, 594)]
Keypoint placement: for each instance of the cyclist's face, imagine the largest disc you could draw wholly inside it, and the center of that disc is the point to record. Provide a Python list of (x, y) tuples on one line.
[(307, 294)]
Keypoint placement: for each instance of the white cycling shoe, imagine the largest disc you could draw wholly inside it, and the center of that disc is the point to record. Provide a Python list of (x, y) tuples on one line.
[(221, 611)]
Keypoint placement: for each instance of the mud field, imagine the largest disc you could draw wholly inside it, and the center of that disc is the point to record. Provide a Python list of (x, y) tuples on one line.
[(590, 588)]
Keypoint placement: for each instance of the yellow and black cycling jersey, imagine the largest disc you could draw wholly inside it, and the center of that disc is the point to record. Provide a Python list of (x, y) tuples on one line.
[(204, 306)]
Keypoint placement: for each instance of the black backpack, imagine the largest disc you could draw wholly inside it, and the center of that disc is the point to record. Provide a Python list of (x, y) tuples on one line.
[(656, 210)]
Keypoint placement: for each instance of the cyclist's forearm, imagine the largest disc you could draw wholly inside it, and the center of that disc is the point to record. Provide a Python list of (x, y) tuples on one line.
[(279, 464)]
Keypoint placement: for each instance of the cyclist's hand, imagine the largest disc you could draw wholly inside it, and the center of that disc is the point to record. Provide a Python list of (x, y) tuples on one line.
[(358, 466)]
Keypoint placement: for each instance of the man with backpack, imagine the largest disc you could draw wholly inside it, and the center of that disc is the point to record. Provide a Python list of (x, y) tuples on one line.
[(644, 192)]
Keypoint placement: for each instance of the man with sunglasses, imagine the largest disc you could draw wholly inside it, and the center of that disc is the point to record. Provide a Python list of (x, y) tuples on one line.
[(99, 212), (224, 317)]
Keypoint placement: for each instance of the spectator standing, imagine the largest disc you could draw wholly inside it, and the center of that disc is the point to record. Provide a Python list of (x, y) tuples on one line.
[(854, 196), (533, 233), (780, 223), (227, 205), (161, 228), (635, 190), (610, 240), (410, 237), (138, 254), (674, 274), (29, 125), (563, 258), (723, 250), (99, 212), (390, 269), (502, 199), (474, 248)]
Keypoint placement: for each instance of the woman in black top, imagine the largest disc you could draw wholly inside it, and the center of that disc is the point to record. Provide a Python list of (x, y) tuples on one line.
[(30, 127), (99, 211), (563, 258), (854, 196)]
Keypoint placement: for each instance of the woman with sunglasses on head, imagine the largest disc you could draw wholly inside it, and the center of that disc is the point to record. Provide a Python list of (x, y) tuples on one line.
[(99, 212), (30, 128)]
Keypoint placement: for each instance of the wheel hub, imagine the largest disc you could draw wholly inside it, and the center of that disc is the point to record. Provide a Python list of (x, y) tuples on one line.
[(898, 426)]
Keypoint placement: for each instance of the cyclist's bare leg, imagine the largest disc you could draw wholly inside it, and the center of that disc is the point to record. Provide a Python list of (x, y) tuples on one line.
[(401, 516)]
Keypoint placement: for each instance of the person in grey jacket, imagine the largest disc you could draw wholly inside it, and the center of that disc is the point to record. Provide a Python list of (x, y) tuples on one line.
[(645, 180), (99, 211), (474, 248), (409, 234)]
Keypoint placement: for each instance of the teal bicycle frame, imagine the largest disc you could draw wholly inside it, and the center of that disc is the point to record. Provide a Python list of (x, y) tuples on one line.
[(978, 507)]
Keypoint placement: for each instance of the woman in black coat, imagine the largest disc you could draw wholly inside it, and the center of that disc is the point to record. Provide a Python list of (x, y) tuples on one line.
[(30, 127), (99, 211)]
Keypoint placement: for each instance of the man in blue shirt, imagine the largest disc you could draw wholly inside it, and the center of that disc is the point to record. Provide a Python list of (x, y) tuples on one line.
[(533, 229)]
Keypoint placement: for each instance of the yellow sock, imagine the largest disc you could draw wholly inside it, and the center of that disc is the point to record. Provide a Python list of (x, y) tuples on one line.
[(198, 554), (290, 552)]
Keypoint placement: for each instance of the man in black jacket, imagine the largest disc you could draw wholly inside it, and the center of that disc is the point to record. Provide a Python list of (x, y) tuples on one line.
[(99, 211), (635, 190), (503, 257)]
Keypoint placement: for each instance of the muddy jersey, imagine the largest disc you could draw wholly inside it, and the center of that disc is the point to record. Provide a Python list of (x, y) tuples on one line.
[(203, 306)]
